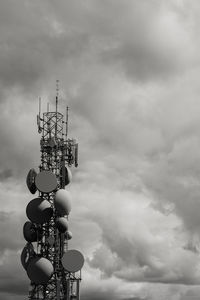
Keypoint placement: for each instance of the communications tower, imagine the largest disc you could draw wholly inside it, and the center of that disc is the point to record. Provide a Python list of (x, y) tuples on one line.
[(54, 270)]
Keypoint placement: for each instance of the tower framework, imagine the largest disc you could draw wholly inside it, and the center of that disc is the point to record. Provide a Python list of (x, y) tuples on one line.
[(54, 270)]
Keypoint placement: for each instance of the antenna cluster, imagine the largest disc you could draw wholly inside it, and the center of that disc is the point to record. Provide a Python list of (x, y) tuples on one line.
[(53, 269)]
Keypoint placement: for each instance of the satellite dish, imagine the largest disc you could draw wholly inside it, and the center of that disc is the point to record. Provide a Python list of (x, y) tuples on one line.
[(30, 181), (73, 261), (46, 182), (29, 231), (63, 202), (62, 224), (27, 253), (68, 235), (40, 270), (39, 211)]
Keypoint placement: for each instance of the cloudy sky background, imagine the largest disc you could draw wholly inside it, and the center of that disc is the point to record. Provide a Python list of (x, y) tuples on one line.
[(130, 73)]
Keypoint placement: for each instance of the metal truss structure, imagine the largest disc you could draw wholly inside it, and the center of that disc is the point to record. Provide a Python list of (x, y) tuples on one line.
[(58, 153)]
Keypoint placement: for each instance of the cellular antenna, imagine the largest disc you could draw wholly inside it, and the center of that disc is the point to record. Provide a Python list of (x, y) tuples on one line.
[(39, 117), (39, 105), (57, 94), (67, 114)]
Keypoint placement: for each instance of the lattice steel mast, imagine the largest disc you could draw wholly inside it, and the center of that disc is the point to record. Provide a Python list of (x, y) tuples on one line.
[(55, 271)]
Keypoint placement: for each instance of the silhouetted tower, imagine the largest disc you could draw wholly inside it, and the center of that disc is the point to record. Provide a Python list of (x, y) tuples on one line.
[(54, 270)]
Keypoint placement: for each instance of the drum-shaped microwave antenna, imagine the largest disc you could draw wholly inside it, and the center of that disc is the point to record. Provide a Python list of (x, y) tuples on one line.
[(40, 270), (46, 182), (30, 181), (63, 202), (62, 224), (73, 260), (30, 232), (27, 254), (68, 175), (39, 211), (68, 235)]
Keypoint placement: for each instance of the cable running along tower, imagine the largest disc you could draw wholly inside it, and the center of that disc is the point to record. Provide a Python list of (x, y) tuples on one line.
[(53, 269)]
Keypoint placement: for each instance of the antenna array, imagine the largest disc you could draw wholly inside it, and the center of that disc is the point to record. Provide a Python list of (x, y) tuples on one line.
[(54, 270)]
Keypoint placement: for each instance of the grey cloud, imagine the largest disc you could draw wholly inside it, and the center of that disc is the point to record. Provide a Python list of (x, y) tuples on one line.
[(138, 257), (5, 174), (138, 133), (143, 39), (11, 231), (191, 293), (135, 298), (99, 295), (9, 296), (39, 38), (31, 46), (106, 296), (177, 183), (19, 138), (10, 284)]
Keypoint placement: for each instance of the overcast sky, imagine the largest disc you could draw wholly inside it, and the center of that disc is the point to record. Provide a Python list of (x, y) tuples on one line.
[(130, 72)]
